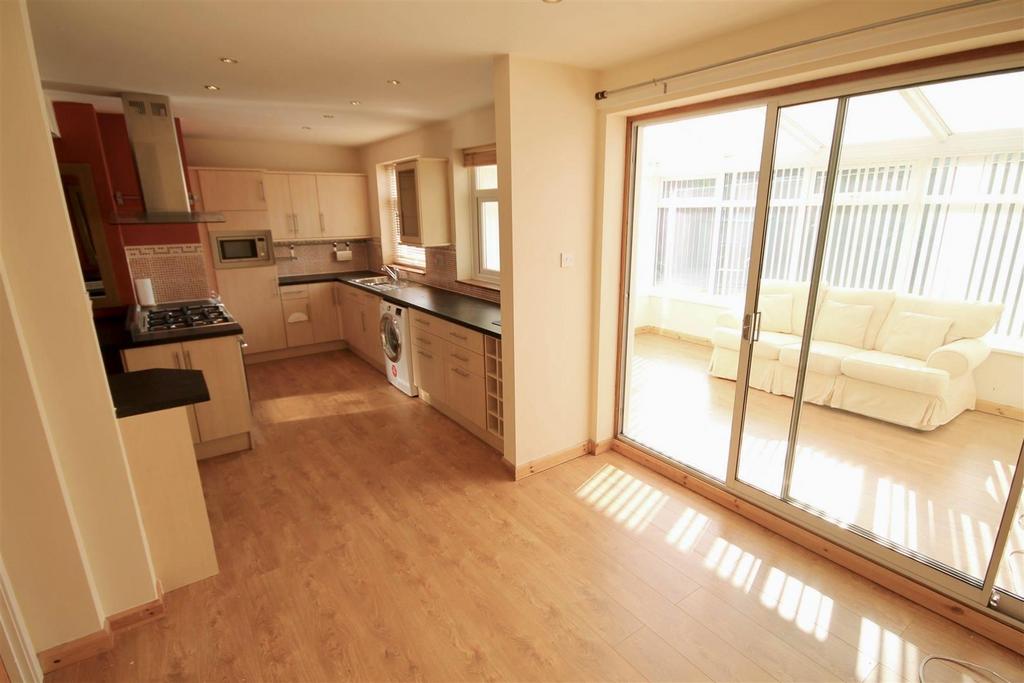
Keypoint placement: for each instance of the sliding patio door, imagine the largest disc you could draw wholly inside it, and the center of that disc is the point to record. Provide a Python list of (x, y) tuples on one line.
[(825, 315), (695, 182)]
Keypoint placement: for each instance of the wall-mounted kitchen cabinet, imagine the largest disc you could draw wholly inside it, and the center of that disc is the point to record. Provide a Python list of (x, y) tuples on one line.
[(423, 215), (222, 424), (344, 208), (232, 190), (305, 206)]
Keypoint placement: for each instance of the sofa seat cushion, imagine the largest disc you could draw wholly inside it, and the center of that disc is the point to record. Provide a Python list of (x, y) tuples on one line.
[(825, 358), (768, 346), (899, 372)]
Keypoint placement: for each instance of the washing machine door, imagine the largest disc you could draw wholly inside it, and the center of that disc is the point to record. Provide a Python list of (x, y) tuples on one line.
[(390, 337)]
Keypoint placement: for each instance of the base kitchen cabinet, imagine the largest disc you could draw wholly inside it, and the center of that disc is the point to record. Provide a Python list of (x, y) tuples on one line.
[(323, 308), (222, 424), (454, 375), (252, 296), (361, 321)]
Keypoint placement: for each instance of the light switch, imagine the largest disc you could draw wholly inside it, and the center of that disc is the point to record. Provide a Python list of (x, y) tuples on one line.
[(568, 259)]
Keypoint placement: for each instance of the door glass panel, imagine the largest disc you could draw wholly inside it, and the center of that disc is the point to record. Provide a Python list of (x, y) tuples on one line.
[(1010, 573), (800, 162), (695, 185), (914, 359)]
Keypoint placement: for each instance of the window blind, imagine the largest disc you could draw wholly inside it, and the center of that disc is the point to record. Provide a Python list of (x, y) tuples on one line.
[(485, 155), (404, 254)]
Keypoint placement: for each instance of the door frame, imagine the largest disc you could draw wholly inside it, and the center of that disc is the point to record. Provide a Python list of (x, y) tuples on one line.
[(984, 61)]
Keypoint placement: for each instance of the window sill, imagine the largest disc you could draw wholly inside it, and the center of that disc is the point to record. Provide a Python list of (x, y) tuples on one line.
[(483, 284)]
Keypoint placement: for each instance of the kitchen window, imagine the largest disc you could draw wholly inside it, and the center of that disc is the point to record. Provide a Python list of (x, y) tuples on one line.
[(487, 254), (408, 255)]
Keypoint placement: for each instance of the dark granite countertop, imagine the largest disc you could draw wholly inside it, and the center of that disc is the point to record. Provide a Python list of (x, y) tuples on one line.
[(468, 311), (148, 391)]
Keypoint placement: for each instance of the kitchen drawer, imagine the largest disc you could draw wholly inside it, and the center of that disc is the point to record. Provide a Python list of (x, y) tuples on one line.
[(466, 338), (428, 323), (465, 394), (429, 342), (429, 368), (295, 292), (458, 357)]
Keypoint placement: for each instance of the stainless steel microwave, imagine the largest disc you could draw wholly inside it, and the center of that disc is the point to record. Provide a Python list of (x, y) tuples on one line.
[(242, 248)]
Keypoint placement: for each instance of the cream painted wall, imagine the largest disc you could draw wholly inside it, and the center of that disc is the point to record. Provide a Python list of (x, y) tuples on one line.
[(991, 24), (38, 541), (48, 298), (446, 140), (546, 145), (272, 156)]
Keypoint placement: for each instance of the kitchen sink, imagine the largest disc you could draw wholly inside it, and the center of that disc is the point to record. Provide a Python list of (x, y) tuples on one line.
[(380, 282)]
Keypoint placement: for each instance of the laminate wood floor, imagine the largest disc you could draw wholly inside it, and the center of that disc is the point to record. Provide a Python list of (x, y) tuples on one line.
[(940, 493), (367, 537)]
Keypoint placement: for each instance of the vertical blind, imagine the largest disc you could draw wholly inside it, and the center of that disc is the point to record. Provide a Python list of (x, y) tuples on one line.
[(404, 254)]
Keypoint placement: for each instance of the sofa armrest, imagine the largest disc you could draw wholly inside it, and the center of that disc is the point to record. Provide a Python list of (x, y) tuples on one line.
[(959, 357), (729, 319)]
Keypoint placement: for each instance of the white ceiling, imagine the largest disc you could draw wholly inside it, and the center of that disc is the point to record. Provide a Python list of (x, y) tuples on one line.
[(300, 60)]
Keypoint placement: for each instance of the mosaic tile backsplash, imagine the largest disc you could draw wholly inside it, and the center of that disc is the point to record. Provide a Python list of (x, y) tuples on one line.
[(177, 270), (318, 257)]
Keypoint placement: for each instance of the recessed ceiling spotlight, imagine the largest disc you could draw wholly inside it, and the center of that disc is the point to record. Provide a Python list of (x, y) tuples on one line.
[(551, 2), (355, 103), (229, 60), (328, 116), (307, 128), (392, 81), (212, 87)]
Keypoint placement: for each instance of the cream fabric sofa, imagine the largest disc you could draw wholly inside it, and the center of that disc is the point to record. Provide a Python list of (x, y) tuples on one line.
[(904, 359)]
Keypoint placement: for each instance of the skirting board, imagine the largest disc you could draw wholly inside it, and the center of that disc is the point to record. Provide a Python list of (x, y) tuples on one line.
[(993, 408), (90, 645), (965, 615), (222, 446), (294, 352), (552, 460), (672, 334)]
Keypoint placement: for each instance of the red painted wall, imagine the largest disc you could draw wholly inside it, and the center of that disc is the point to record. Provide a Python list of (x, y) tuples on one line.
[(101, 140)]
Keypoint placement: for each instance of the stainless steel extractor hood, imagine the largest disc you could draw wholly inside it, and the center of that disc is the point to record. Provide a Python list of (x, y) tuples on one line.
[(154, 140)]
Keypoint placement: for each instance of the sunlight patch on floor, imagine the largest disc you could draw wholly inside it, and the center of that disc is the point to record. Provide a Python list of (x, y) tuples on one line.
[(622, 497)]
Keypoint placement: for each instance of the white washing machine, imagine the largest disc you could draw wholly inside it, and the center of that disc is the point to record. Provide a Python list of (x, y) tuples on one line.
[(397, 342)]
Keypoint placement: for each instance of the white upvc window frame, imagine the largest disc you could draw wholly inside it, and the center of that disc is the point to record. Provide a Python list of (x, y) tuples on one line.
[(480, 197)]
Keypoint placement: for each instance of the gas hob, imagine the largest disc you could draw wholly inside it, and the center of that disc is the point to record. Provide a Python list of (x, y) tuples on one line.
[(182, 319)]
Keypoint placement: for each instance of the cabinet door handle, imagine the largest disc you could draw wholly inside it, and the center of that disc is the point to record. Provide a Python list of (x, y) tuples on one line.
[(295, 224), (177, 361), (420, 340), (458, 357), (263, 192), (424, 353), (242, 344), (362, 320), (188, 359), (322, 228), (460, 371), (459, 336)]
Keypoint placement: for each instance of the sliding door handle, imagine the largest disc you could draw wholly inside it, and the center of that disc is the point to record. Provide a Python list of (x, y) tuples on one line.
[(757, 325)]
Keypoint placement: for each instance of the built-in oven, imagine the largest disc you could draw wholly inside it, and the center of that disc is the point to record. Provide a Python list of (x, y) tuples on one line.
[(242, 248)]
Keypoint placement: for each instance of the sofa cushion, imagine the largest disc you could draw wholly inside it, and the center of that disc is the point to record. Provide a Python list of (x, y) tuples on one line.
[(895, 371), (971, 319), (843, 323), (799, 291), (880, 300), (825, 358), (767, 346), (776, 312), (915, 334)]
